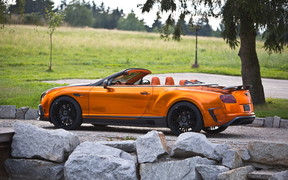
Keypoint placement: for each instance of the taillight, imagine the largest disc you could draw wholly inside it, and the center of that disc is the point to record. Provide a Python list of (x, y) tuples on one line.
[(228, 98)]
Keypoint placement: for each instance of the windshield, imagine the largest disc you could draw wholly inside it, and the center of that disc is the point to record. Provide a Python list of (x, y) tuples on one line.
[(130, 78)]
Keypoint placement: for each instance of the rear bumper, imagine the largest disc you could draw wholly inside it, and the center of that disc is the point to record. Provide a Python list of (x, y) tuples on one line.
[(240, 121)]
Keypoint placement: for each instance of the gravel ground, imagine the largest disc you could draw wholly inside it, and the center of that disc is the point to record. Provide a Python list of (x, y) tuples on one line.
[(235, 136)]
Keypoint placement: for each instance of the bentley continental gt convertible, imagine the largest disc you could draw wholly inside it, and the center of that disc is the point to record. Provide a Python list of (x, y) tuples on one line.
[(127, 98)]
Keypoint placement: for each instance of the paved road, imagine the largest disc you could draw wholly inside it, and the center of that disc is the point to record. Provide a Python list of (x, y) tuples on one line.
[(274, 88)]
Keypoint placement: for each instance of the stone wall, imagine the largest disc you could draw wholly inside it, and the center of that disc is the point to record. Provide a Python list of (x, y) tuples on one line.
[(11, 112), (271, 122), (58, 154)]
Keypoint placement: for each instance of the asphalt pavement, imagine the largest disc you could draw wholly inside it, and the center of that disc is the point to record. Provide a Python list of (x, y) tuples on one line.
[(274, 88)]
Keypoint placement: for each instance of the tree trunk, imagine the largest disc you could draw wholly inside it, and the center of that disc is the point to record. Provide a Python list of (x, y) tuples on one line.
[(50, 62), (250, 64)]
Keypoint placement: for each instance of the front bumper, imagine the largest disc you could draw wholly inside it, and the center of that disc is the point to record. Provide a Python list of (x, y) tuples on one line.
[(41, 114)]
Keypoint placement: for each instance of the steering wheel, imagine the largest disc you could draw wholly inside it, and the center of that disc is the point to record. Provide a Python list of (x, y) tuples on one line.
[(118, 83)]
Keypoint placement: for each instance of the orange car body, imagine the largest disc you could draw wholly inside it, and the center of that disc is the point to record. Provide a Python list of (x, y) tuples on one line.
[(125, 99)]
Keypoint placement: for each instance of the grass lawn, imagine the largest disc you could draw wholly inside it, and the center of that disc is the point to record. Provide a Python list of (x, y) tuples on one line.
[(273, 107), (96, 53)]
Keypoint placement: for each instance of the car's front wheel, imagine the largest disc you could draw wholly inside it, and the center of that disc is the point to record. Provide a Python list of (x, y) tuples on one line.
[(184, 117), (65, 113)]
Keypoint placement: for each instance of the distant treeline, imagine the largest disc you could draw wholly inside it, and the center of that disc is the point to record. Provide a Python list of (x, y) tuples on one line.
[(80, 13)]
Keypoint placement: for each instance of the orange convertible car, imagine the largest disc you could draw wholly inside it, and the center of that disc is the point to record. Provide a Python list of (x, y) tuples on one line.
[(126, 98)]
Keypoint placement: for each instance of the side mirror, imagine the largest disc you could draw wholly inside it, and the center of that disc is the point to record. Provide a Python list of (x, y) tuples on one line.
[(105, 84), (146, 82)]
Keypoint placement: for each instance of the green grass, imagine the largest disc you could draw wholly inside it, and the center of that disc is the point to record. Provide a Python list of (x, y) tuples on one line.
[(273, 107), (96, 53)]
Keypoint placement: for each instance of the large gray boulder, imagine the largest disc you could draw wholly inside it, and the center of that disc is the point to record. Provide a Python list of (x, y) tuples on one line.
[(31, 114), (244, 154), (194, 144), (170, 170), (127, 146), (32, 142), (232, 159), (20, 112), (283, 175), (239, 173), (32, 169), (210, 172), (271, 153), (7, 111), (151, 146), (220, 149), (97, 161)]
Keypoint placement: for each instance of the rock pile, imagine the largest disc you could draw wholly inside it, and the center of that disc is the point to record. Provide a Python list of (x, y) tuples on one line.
[(58, 154)]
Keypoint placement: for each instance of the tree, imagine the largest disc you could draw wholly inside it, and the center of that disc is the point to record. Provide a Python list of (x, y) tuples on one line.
[(131, 23), (105, 18), (55, 19), (240, 18), (31, 6), (2, 13), (78, 14), (114, 18), (156, 26), (18, 8), (39, 6)]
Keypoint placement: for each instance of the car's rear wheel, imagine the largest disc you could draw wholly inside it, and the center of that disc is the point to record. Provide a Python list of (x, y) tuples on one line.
[(66, 113), (215, 129), (184, 117)]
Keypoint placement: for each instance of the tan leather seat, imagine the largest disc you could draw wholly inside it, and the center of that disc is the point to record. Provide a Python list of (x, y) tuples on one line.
[(169, 81), (155, 81), (182, 82)]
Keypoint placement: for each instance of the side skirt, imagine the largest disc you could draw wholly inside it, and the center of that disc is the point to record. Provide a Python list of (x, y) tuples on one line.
[(127, 121)]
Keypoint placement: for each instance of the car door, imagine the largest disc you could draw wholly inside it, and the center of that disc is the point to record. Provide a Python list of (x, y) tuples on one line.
[(119, 101)]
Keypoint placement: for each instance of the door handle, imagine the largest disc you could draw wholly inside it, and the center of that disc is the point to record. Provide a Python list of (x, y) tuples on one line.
[(144, 93)]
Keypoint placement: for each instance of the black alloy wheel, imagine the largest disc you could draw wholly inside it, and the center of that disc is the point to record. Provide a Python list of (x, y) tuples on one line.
[(65, 113), (184, 117), (215, 129)]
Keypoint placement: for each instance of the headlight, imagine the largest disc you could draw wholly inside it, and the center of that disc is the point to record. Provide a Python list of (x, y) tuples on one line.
[(43, 95)]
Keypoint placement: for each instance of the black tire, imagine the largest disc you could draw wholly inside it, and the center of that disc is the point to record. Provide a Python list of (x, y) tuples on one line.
[(184, 117), (215, 129), (66, 113)]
